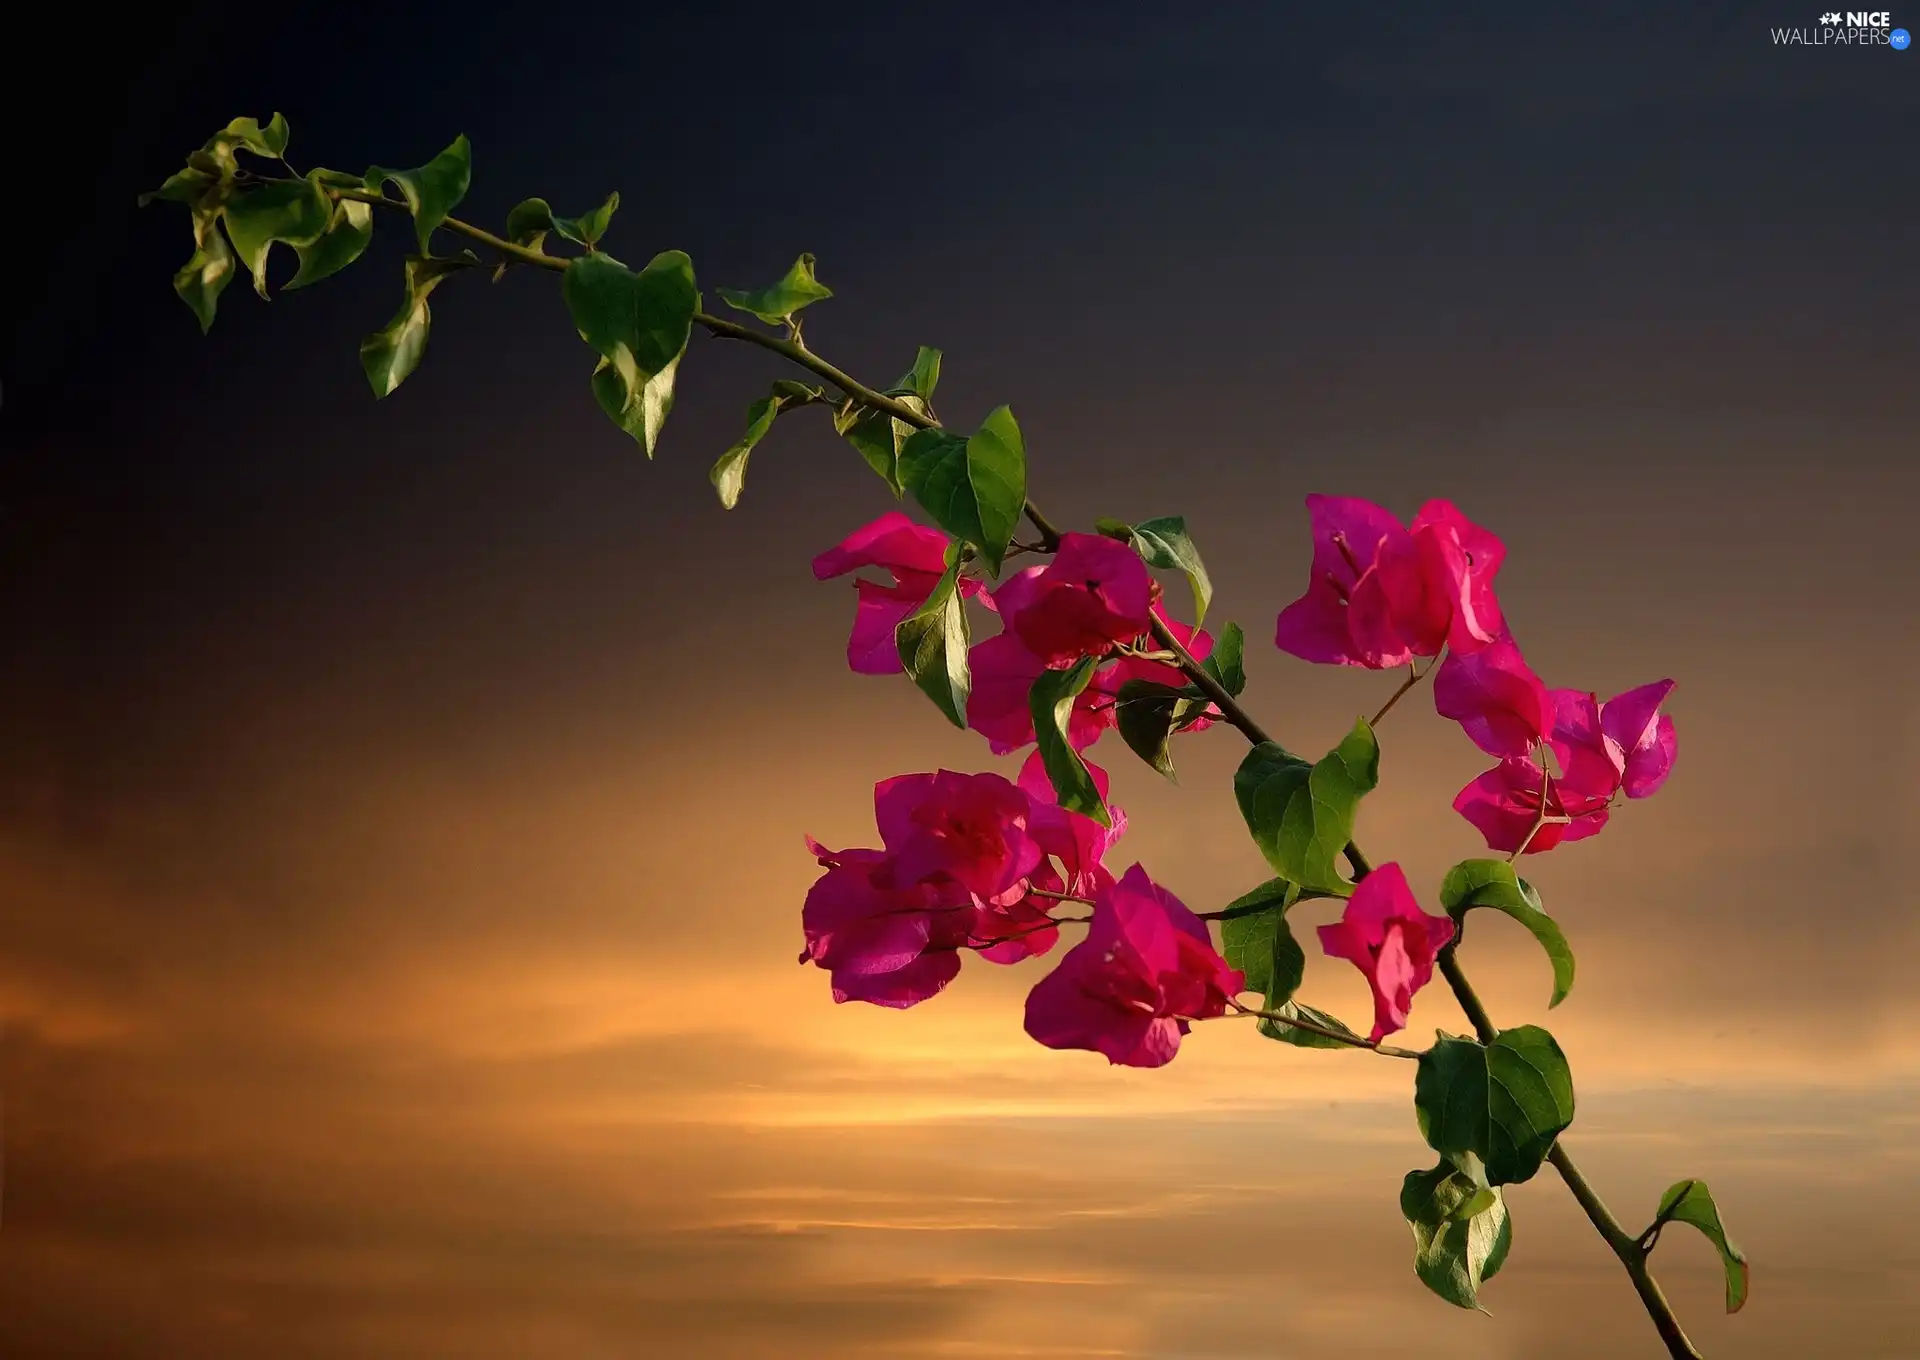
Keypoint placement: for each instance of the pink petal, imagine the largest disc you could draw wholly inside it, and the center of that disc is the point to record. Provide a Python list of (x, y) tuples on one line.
[(1495, 696), (892, 541)]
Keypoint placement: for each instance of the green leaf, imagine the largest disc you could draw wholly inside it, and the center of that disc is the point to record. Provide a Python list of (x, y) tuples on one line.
[(1248, 927), (528, 223), (1692, 1203), (349, 229), (730, 472), (1306, 1038), (1166, 543), (1461, 1231), (391, 353), (182, 186), (639, 323), (531, 219), (1256, 939), (778, 302), (1493, 883), (923, 377), (933, 643), (878, 436), (587, 229), (1504, 1102), (270, 141), (997, 470), (433, 190), (205, 275), (1149, 714), (297, 212), (1051, 700), (1302, 815), (975, 488), (1227, 664)]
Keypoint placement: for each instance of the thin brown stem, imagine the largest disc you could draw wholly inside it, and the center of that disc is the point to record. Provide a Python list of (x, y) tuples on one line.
[(1325, 1032)]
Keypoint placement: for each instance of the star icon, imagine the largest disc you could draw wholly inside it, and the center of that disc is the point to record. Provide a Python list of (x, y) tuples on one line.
[(1829, 19)]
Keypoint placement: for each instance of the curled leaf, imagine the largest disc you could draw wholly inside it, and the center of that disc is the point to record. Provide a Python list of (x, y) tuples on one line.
[(433, 190), (777, 302)]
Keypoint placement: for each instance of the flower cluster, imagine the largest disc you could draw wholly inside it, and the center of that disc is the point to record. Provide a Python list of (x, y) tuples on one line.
[(974, 862), (1093, 598), (1383, 593)]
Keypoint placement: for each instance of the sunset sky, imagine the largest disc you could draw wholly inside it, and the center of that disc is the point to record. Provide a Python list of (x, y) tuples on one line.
[(402, 804)]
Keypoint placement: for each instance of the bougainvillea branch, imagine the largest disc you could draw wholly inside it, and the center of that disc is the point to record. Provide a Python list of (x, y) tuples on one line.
[(978, 864)]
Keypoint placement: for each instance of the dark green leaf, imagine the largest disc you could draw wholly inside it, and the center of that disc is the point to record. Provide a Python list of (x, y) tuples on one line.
[(1301, 815), (528, 223), (997, 470), (1461, 1231), (1256, 939), (1149, 714), (639, 323), (349, 229), (205, 275), (779, 301), (433, 190), (1227, 664), (297, 212), (391, 353), (182, 186), (1114, 528), (933, 643), (1166, 543), (878, 436), (1493, 883), (1051, 700), (1248, 927), (933, 466), (730, 473), (1691, 1202), (1262, 946), (1505, 1102)]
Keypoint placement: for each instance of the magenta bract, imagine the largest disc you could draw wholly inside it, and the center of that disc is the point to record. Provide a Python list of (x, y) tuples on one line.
[(1389, 939)]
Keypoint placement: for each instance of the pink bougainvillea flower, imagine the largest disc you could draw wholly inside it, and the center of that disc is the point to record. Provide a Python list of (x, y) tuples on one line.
[(1505, 803), (1385, 934), (1093, 595), (883, 940), (1458, 561), (1009, 931), (1146, 968), (1381, 593), (1077, 843), (968, 827), (915, 557), (1648, 744), (1495, 696), (999, 708)]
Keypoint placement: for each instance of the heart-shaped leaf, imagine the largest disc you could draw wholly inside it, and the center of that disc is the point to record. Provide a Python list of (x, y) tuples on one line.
[(1503, 1102), (1302, 815), (432, 190), (1461, 1231), (639, 323)]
